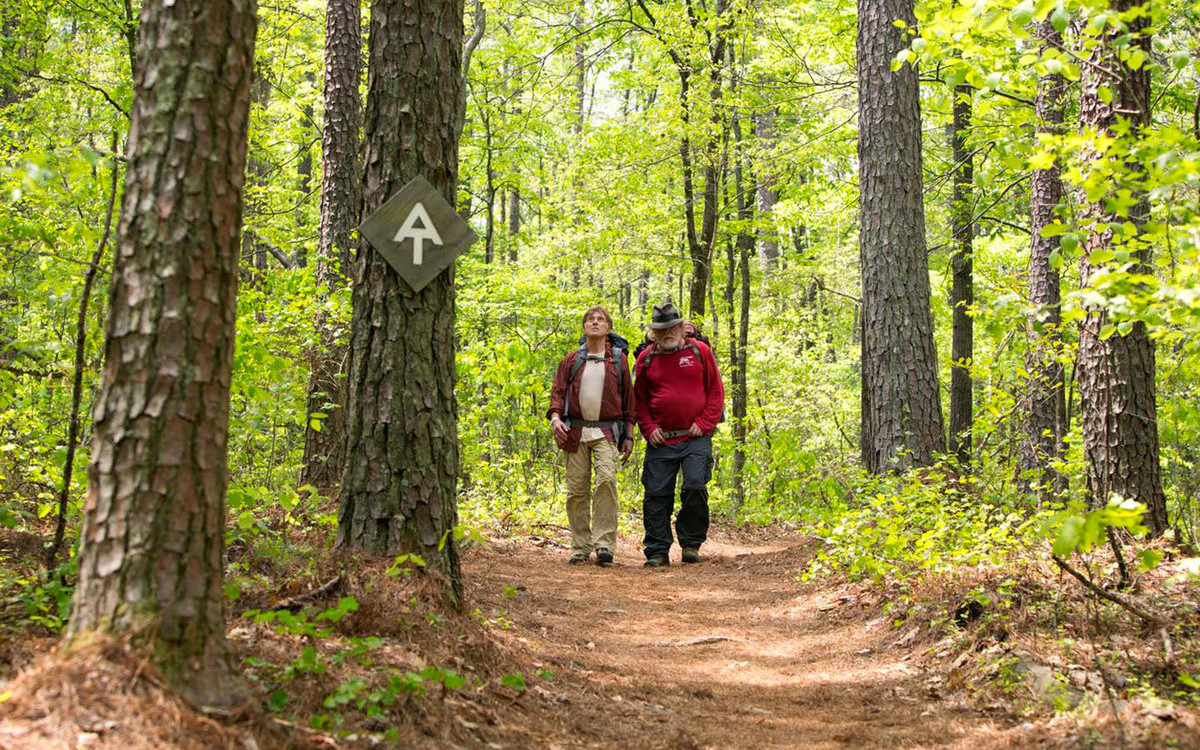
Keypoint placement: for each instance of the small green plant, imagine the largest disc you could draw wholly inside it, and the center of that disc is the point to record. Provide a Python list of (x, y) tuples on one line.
[(403, 566), (515, 681)]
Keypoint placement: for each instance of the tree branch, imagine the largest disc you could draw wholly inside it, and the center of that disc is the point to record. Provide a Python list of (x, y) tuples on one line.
[(1143, 614)]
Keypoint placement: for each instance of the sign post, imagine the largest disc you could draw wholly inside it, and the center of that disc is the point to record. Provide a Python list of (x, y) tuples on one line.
[(418, 233)]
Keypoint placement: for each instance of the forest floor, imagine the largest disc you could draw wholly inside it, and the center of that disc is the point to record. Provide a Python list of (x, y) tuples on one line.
[(730, 653)]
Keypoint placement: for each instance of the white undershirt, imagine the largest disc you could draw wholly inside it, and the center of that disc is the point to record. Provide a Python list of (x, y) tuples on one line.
[(591, 394)]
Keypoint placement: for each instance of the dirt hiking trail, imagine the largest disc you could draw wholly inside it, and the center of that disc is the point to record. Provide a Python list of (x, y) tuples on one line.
[(729, 653)]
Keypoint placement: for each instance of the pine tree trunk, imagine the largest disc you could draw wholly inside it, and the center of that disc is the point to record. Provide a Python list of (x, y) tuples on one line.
[(1118, 409), (962, 294), (398, 494), (341, 206), (153, 545), (901, 415), (1045, 403)]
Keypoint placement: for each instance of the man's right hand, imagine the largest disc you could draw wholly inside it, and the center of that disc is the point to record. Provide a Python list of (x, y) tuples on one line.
[(560, 429), (656, 437)]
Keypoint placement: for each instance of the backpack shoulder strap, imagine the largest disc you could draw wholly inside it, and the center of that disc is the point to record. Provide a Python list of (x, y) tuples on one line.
[(577, 365), (580, 358)]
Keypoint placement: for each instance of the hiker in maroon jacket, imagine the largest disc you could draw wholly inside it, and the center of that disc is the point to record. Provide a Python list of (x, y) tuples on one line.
[(591, 413), (680, 399)]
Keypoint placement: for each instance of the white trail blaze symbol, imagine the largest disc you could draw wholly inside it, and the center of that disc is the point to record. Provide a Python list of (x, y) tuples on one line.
[(418, 234)]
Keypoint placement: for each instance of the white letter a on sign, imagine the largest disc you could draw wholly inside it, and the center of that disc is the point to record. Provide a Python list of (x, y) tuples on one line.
[(418, 234)]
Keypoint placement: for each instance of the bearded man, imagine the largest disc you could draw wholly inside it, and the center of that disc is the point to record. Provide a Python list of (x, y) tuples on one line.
[(680, 399)]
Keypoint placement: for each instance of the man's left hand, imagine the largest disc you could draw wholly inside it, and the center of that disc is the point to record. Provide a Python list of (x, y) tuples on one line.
[(626, 449), (695, 430)]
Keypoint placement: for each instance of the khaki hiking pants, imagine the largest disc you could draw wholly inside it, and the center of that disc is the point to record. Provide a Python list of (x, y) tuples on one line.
[(592, 510)]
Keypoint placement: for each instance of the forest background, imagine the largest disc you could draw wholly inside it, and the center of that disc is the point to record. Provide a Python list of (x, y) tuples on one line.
[(625, 153)]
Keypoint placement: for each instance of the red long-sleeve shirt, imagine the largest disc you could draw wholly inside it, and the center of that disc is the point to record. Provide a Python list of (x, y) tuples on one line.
[(674, 389)]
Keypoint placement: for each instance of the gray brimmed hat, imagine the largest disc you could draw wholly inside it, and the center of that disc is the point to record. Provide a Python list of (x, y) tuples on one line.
[(664, 316)]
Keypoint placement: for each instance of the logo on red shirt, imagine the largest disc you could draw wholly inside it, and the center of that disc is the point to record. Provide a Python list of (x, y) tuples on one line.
[(687, 360)]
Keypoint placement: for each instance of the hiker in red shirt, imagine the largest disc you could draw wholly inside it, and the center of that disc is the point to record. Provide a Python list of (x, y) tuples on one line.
[(591, 414), (680, 399)]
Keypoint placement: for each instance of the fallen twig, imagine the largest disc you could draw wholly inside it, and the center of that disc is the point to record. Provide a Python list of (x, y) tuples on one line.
[(702, 640), (1146, 616)]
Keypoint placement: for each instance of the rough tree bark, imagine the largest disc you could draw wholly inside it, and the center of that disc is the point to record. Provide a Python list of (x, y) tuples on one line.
[(398, 494), (768, 195), (341, 207), (901, 413), (962, 293), (153, 544), (1118, 409), (1045, 403)]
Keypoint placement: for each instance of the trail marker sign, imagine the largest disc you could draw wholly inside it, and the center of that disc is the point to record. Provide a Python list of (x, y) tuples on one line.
[(418, 233)]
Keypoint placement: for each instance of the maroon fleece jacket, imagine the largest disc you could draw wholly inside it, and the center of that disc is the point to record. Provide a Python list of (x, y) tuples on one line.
[(677, 388)]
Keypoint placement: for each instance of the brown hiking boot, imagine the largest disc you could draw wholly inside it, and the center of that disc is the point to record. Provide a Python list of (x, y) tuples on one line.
[(691, 555)]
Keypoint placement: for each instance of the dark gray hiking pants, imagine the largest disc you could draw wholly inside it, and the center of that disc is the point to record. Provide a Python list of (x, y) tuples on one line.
[(662, 465)]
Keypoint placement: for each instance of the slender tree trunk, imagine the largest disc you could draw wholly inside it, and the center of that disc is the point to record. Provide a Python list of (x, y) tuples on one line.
[(768, 195), (737, 353), (1117, 369), (341, 206), (1045, 403), (398, 494), (901, 414), (489, 234), (153, 545), (514, 221), (962, 294)]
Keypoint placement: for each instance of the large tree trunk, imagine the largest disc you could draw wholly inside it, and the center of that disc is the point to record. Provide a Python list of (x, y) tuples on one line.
[(398, 494), (1116, 371), (341, 207), (1045, 403), (901, 415), (153, 543), (962, 293)]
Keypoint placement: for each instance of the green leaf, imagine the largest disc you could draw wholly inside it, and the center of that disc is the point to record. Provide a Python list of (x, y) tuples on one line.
[(1104, 94), (1148, 559), (1023, 13), (277, 701), (1068, 536), (1060, 19), (1107, 331), (1057, 229), (1102, 255)]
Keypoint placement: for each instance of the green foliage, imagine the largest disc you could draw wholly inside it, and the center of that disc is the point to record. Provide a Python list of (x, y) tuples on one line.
[(1078, 530), (922, 522)]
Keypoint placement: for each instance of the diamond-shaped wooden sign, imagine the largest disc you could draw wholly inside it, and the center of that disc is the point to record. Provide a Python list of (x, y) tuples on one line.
[(418, 233)]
